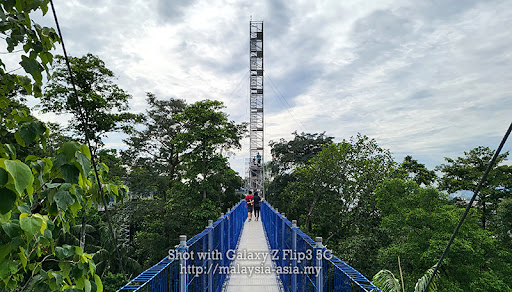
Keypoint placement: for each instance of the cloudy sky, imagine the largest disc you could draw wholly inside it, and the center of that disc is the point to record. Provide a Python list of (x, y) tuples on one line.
[(426, 78)]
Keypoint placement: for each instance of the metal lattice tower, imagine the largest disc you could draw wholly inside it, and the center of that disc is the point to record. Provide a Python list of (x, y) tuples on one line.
[(256, 178)]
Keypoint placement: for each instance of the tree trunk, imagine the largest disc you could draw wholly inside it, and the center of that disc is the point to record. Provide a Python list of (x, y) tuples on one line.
[(483, 212), (308, 221), (82, 231)]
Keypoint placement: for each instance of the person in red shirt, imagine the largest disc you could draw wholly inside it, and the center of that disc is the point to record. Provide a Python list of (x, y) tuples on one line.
[(249, 204)]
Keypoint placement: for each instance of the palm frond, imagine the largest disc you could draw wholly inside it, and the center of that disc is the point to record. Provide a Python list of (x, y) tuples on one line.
[(422, 282), (386, 281)]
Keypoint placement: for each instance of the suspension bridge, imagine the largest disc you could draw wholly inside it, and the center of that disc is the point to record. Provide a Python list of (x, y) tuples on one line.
[(235, 254)]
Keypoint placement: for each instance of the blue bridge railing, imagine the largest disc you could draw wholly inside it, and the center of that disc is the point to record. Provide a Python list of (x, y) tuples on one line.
[(309, 265), (193, 265)]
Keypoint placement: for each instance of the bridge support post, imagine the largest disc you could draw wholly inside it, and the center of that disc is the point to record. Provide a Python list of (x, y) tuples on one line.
[(229, 229), (319, 279), (183, 249), (283, 241), (222, 243), (294, 252), (276, 221), (210, 252)]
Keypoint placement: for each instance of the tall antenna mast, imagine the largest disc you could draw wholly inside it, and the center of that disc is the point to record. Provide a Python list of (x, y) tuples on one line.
[(256, 178)]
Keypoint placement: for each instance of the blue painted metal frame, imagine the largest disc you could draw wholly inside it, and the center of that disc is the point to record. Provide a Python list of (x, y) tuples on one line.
[(165, 275), (336, 275)]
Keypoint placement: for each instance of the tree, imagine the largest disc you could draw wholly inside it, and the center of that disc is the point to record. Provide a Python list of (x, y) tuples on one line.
[(103, 104), (37, 41), (288, 156), (464, 173), (153, 153), (31, 134), (27, 228), (206, 133), (504, 223), (117, 173), (178, 158), (56, 138), (39, 201), (419, 222), (336, 189), (412, 169)]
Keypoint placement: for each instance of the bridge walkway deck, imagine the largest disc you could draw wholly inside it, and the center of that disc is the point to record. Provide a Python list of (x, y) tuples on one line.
[(253, 248)]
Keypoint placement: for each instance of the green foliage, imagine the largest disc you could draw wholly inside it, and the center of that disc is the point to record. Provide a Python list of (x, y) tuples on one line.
[(336, 189), (103, 104), (412, 169), (36, 42), (286, 157), (19, 130), (421, 284), (179, 173), (112, 282), (464, 173), (504, 223), (386, 281), (149, 225), (180, 150), (419, 221), (348, 185), (42, 198), (153, 155), (117, 173)]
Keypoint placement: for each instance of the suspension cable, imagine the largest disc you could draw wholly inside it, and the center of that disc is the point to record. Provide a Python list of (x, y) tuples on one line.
[(83, 116), (285, 103), (482, 180), (231, 96)]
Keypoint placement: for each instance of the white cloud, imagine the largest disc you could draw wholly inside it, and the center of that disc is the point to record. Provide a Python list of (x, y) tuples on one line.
[(425, 78)]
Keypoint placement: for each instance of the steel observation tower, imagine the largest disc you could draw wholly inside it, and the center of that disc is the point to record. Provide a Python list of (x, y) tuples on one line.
[(256, 124)]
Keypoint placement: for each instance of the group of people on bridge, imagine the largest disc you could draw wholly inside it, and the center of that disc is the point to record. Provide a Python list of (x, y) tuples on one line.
[(253, 204)]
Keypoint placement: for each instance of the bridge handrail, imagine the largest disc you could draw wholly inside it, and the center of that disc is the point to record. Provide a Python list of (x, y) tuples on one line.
[(222, 235), (291, 242)]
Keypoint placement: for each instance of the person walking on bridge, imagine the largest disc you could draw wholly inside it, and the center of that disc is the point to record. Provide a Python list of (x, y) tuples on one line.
[(257, 205), (249, 203)]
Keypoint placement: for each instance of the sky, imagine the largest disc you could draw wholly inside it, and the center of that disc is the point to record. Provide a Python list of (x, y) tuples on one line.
[(430, 79)]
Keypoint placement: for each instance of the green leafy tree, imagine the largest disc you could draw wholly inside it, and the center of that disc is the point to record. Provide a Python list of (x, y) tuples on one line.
[(206, 133), (36, 42), (116, 169), (100, 107), (148, 232), (412, 169), (40, 196), (153, 154), (207, 182), (103, 105), (178, 158), (419, 222), (112, 254), (288, 156), (333, 197), (56, 138), (504, 222), (39, 202), (28, 136), (464, 173)]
